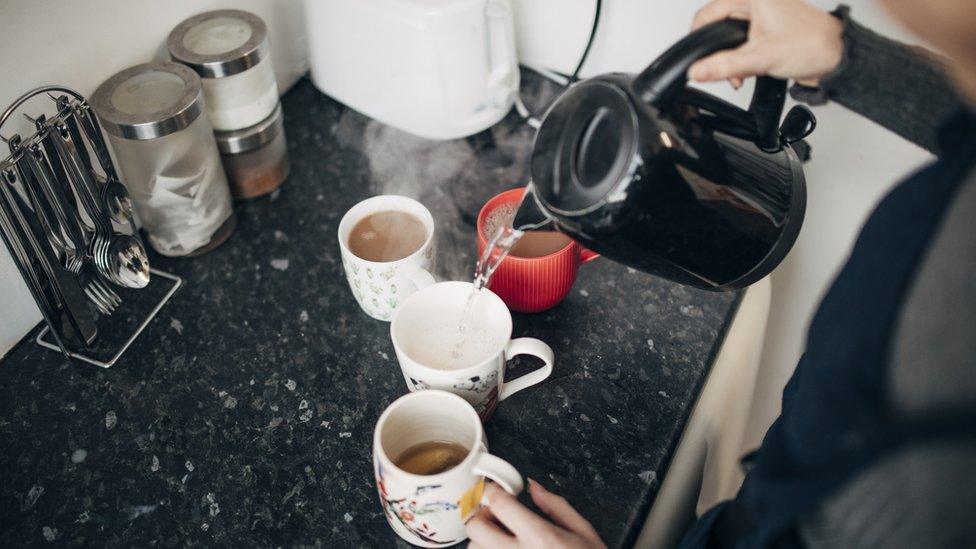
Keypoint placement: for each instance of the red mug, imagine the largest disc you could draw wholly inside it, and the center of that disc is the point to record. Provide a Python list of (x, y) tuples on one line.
[(532, 284)]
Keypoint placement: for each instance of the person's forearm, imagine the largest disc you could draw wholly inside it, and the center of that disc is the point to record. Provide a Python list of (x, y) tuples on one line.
[(900, 87)]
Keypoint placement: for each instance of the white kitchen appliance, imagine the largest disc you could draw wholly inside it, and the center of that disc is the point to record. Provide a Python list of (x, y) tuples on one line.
[(439, 69), (552, 34)]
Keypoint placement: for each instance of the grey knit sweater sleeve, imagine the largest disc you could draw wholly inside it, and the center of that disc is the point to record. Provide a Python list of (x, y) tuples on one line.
[(901, 87)]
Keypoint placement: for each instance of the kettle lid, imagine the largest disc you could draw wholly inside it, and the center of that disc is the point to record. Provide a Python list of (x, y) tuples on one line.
[(585, 147)]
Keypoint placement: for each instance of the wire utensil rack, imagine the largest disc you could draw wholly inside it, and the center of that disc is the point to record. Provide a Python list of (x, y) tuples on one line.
[(68, 223)]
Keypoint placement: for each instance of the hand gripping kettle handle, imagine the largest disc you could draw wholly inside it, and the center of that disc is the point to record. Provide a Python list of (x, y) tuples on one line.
[(668, 74)]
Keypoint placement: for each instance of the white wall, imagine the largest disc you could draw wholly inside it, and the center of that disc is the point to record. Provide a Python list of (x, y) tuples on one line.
[(854, 161), (80, 44)]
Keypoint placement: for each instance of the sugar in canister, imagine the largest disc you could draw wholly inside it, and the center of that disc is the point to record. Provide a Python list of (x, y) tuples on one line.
[(229, 50), (167, 155)]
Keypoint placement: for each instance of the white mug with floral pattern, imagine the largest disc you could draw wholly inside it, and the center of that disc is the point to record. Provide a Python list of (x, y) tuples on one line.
[(430, 316), (379, 288), (430, 510)]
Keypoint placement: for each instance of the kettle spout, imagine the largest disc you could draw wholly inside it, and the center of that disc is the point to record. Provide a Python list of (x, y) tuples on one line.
[(530, 216)]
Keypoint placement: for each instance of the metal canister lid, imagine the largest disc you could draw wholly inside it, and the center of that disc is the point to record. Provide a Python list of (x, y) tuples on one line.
[(149, 100), (252, 137), (219, 43)]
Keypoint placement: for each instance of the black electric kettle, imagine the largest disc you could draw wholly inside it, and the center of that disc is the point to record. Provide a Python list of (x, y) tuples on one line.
[(669, 179)]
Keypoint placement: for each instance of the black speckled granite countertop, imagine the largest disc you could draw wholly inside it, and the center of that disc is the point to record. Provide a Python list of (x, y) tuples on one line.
[(243, 415)]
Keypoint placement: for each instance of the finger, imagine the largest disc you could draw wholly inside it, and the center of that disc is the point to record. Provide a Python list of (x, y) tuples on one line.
[(720, 9), (487, 514), (736, 82), (560, 511), (752, 59), (483, 532), (512, 514), (490, 517)]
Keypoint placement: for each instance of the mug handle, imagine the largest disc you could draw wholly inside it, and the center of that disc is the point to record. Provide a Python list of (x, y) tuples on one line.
[(527, 346), (587, 255), (499, 471), (419, 277)]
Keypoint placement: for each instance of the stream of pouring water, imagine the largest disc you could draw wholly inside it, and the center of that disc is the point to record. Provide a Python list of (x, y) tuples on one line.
[(497, 248)]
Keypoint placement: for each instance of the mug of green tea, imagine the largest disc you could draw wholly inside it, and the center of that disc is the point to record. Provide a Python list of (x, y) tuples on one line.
[(431, 460)]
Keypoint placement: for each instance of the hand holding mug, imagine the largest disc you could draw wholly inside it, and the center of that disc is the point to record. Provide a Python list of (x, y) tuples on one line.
[(508, 523), (431, 459)]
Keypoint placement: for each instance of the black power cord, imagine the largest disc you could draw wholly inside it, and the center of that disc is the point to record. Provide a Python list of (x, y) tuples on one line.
[(589, 43), (523, 110)]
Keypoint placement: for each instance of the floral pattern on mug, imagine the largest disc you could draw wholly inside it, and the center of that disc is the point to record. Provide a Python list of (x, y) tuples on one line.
[(378, 289), (409, 513)]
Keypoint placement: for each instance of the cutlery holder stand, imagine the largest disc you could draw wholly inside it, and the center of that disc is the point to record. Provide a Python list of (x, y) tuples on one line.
[(66, 220)]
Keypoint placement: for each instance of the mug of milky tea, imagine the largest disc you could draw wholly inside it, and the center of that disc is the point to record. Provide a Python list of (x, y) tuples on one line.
[(431, 459), (434, 353), (387, 246)]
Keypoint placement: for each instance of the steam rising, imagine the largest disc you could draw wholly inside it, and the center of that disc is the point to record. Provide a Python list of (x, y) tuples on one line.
[(453, 179)]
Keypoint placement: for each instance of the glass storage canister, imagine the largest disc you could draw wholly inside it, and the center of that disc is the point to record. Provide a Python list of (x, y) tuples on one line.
[(167, 153), (255, 158), (229, 50)]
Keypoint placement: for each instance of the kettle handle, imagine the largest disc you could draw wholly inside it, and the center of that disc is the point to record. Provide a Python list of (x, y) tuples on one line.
[(662, 79)]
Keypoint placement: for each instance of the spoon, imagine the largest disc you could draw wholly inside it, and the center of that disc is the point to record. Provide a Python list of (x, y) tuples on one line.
[(116, 198), (127, 261)]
